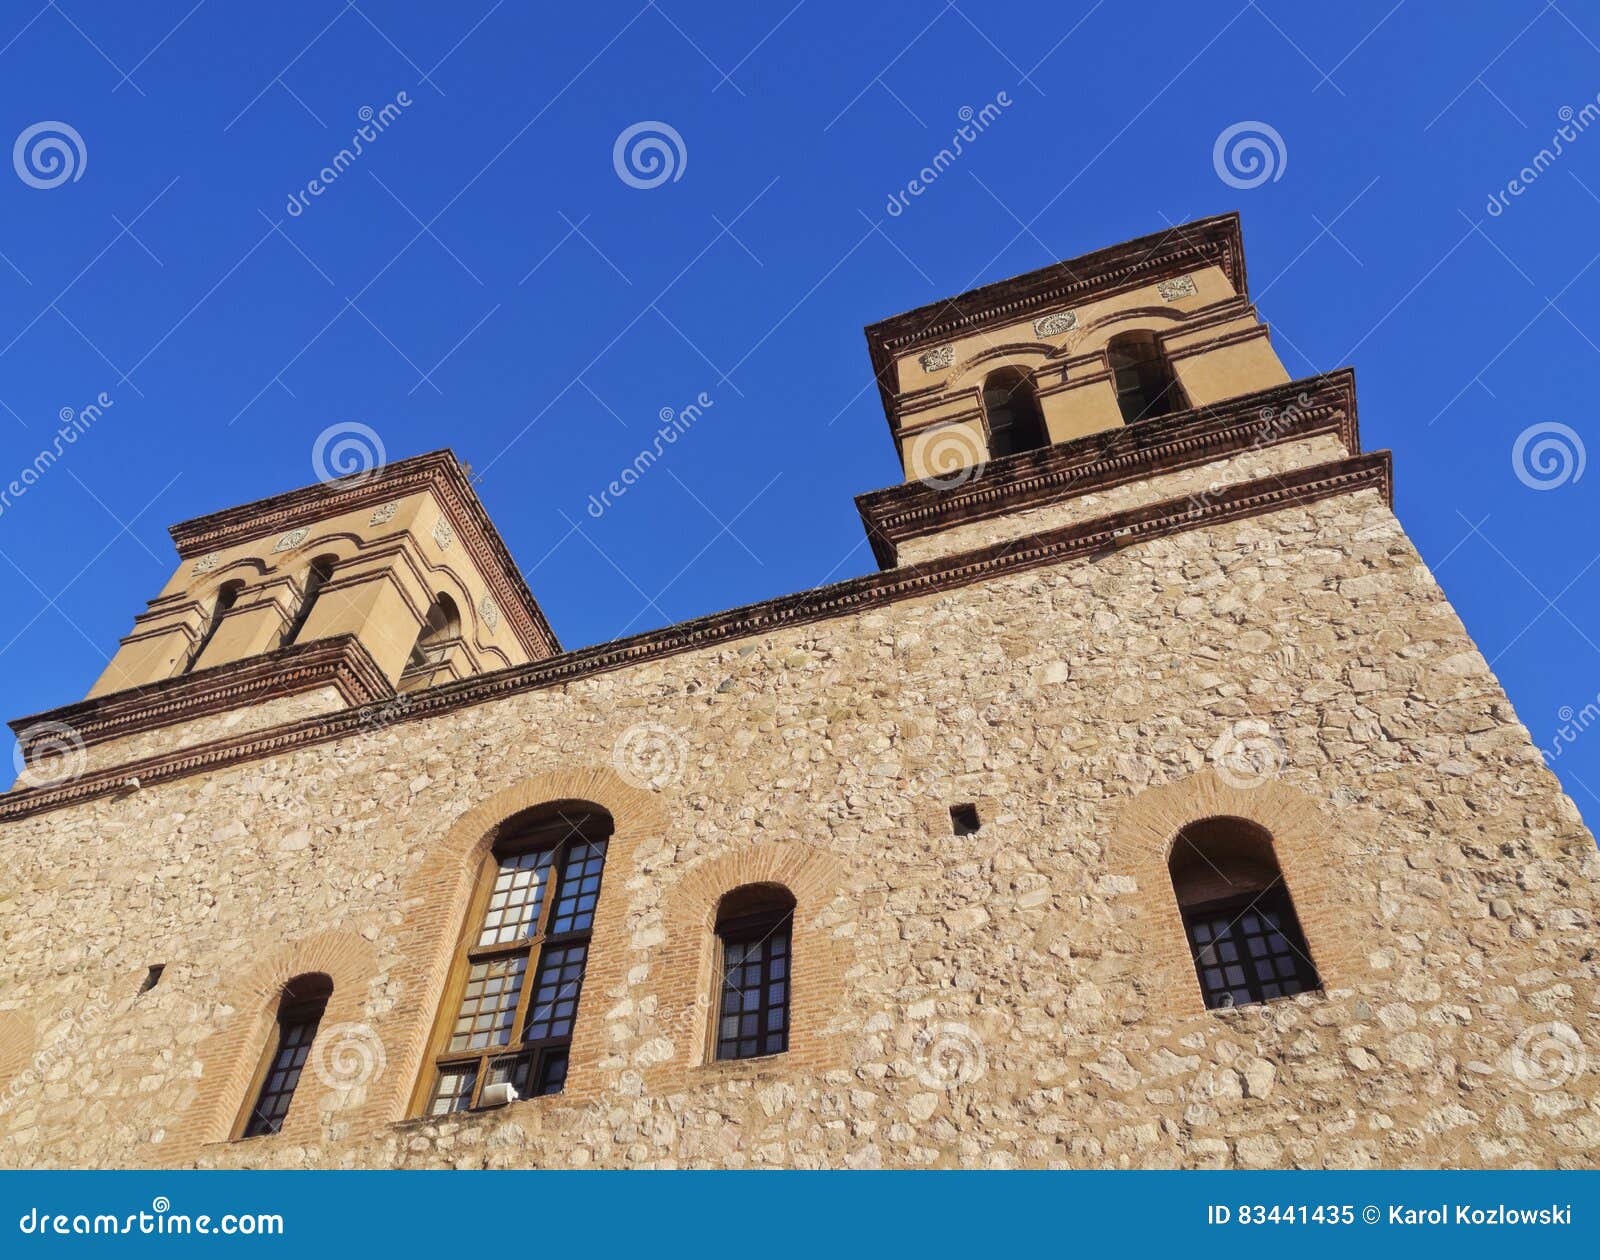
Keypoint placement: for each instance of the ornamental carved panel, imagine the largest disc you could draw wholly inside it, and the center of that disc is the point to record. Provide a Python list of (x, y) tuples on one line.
[(293, 539), (937, 359), (1172, 290), (1055, 325)]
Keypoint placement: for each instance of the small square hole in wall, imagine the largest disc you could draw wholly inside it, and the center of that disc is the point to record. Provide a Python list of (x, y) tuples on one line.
[(964, 819), (152, 977)]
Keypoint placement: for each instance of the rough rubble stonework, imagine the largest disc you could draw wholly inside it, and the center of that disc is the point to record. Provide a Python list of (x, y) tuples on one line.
[(1002, 999)]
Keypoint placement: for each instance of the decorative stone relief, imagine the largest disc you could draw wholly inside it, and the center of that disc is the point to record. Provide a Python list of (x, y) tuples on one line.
[(293, 539), (443, 535), (1055, 325), (383, 515), (938, 358), (1172, 290), (205, 564), (490, 612)]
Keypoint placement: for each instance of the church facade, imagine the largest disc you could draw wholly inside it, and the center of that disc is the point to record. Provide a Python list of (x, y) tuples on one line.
[(1149, 806)]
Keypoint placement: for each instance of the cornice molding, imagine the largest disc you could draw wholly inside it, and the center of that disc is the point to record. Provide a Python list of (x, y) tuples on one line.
[(437, 472), (1100, 536), (1113, 457), (1102, 273), (342, 662)]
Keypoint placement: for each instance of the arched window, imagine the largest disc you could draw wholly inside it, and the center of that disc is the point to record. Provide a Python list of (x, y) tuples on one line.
[(1011, 405), (513, 1000), (300, 1008), (227, 597), (1243, 932), (754, 929), (1146, 387), (440, 631), (316, 578)]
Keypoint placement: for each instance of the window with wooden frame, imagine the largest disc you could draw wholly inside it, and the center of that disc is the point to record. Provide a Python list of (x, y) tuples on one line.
[(1244, 935), (754, 934), (510, 1007), (300, 1008)]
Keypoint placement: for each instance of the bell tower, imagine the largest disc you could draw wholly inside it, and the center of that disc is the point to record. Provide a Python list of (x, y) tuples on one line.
[(327, 597)]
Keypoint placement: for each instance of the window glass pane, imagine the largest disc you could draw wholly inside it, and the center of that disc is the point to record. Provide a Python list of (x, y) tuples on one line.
[(283, 1074), (453, 1089), (1261, 929), (555, 993), (516, 898), (580, 887), (755, 993), (489, 1003)]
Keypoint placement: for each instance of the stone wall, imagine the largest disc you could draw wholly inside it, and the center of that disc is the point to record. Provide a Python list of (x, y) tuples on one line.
[(1010, 997)]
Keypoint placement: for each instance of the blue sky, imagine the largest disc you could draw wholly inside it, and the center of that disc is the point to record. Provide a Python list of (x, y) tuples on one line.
[(483, 279)]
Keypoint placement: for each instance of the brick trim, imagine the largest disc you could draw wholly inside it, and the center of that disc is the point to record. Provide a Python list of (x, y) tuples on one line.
[(230, 1056), (681, 970), (1308, 840)]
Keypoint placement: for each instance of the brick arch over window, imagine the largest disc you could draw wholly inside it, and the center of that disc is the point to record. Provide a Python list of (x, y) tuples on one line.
[(440, 892), (681, 969), (1308, 842), (231, 1055)]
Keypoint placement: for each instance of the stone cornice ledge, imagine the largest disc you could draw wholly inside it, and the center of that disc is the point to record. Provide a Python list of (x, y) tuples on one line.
[(341, 662), (1085, 539), (1114, 457)]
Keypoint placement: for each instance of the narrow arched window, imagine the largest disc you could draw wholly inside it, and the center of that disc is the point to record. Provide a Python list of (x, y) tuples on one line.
[(227, 597), (754, 934), (1143, 377), (300, 1007), (440, 631), (316, 578), (1011, 407), (513, 1000), (1243, 932)]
